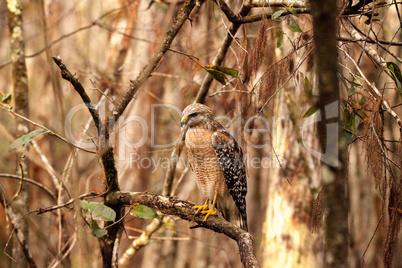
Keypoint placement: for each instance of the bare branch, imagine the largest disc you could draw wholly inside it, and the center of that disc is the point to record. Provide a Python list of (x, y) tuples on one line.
[(398, 44), (45, 128), (15, 221), (368, 39), (68, 203), (371, 52), (220, 56), (140, 242), (21, 182), (374, 91), (152, 63), (43, 187), (184, 210), (277, 3), (67, 75)]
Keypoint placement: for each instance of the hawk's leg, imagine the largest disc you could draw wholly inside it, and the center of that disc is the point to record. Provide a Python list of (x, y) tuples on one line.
[(203, 207), (212, 210)]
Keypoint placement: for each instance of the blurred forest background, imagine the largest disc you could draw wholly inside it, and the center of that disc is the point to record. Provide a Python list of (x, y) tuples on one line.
[(269, 108)]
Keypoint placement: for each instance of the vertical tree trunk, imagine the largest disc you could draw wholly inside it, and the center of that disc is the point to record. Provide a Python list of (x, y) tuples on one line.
[(288, 240), (21, 106), (332, 142)]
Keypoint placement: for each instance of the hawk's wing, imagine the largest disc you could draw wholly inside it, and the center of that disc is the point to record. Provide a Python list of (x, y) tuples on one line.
[(230, 157)]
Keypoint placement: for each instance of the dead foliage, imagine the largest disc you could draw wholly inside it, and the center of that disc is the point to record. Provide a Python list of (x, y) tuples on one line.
[(274, 78)]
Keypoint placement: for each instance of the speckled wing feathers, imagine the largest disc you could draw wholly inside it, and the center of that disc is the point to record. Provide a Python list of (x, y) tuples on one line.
[(230, 157)]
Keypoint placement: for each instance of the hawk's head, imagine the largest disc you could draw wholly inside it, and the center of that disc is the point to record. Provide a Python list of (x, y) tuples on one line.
[(196, 114)]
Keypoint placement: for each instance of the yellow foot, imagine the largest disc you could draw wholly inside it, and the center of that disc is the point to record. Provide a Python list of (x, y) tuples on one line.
[(203, 207), (209, 212)]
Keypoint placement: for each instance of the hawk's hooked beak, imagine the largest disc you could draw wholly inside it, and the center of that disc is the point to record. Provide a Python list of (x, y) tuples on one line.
[(184, 121)]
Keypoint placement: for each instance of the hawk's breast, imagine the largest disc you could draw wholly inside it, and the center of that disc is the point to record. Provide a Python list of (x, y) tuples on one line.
[(204, 162)]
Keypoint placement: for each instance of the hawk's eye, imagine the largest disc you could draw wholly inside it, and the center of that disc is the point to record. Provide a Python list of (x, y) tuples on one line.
[(193, 115)]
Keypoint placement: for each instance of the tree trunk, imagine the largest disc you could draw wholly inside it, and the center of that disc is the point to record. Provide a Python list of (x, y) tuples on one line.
[(294, 174), (20, 93), (331, 134)]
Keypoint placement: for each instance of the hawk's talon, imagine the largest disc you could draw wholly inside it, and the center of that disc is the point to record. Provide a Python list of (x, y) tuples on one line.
[(203, 207), (209, 212)]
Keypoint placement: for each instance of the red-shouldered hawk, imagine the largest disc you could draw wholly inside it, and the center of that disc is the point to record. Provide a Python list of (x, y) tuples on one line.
[(217, 161)]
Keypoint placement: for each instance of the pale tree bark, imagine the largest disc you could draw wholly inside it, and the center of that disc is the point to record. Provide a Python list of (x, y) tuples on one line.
[(288, 240), (20, 205)]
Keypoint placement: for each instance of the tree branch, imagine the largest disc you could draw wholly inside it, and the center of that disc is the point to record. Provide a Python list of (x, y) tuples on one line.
[(15, 218), (371, 52), (277, 3), (5, 108), (384, 42), (43, 187), (220, 56), (184, 210), (152, 63), (67, 75), (373, 90)]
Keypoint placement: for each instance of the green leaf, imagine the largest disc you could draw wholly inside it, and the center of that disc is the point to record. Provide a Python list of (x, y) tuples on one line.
[(277, 14), (310, 111), (7, 108), (294, 26), (219, 72), (84, 204), (5, 99), (355, 84), (346, 119), (27, 138), (356, 124), (396, 76), (352, 91), (306, 85), (395, 68), (228, 71), (350, 121), (279, 41), (144, 212), (98, 211), (348, 137), (96, 230)]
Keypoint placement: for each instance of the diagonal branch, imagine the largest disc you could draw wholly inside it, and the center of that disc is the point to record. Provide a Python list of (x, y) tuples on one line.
[(41, 186), (67, 75), (184, 210), (152, 63), (371, 52), (6, 108), (373, 90), (220, 56)]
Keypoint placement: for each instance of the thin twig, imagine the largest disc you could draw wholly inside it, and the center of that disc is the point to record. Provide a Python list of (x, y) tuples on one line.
[(227, 29), (21, 182), (374, 91), (368, 39), (152, 63), (67, 75), (371, 239), (41, 186), (69, 202), (45, 128), (220, 56), (70, 242), (56, 180)]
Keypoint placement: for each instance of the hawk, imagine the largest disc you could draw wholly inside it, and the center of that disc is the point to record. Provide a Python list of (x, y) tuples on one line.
[(217, 161)]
